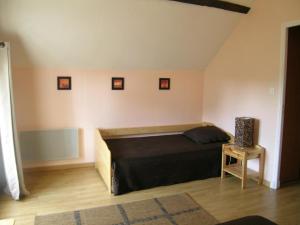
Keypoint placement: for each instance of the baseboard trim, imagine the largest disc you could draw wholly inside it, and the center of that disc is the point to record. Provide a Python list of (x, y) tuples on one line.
[(267, 184), (7, 222), (58, 167), (252, 174)]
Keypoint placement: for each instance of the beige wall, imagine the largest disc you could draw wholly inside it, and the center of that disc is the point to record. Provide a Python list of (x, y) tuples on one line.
[(240, 80), (92, 103)]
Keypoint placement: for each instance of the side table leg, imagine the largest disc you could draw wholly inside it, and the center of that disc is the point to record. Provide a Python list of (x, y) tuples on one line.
[(261, 167), (244, 173)]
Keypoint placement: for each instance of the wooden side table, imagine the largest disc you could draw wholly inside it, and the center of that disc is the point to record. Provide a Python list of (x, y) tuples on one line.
[(239, 169)]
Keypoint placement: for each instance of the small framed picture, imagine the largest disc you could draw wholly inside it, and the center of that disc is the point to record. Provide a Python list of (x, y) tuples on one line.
[(164, 83), (64, 83), (117, 83)]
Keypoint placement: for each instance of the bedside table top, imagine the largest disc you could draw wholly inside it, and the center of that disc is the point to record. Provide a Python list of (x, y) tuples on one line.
[(235, 148)]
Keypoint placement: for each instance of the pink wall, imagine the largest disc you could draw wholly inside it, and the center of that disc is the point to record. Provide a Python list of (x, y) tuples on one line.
[(243, 78), (92, 103)]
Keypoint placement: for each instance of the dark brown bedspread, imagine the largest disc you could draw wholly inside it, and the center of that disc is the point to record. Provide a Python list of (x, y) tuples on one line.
[(145, 162), (250, 220)]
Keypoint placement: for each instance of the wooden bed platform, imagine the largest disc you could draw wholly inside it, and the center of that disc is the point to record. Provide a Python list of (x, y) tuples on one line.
[(103, 154)]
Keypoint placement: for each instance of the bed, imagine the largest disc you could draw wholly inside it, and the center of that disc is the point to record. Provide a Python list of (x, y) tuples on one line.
[(130, 159), (249, 220)]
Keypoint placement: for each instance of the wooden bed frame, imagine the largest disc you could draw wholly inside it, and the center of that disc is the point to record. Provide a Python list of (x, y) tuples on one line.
[(103, 154)]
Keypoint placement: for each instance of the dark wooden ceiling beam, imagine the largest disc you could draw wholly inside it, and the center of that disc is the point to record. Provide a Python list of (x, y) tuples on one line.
[(218, 4)]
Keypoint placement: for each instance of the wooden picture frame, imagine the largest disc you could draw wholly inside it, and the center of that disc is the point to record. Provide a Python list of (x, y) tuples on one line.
[(164, 83), (64, 83), (117, 83)]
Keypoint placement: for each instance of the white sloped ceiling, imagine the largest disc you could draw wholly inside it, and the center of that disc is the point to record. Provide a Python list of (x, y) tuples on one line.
[(114, 34)]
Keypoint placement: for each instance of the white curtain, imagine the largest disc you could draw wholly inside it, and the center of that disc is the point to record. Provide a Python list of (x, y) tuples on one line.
[(8, 133)]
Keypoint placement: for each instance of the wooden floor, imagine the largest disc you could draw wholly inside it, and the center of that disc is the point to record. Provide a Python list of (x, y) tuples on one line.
[(68, 190)]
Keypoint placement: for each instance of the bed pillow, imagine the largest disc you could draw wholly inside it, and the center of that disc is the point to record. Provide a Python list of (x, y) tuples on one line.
[(205, 135)]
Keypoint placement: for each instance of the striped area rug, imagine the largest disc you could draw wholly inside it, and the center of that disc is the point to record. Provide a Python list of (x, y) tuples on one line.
[(171, 210)]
